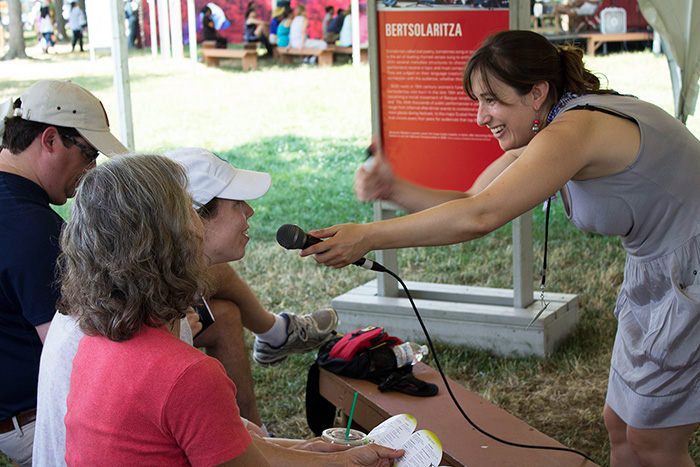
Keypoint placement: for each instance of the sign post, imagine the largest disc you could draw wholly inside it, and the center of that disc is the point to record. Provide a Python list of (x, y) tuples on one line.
[(429, 135)]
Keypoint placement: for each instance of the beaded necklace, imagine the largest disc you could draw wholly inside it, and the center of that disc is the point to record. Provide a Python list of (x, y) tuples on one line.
[(556, 110)]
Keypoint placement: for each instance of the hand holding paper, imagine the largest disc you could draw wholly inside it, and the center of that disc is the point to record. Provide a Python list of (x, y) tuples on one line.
[(423, 448)]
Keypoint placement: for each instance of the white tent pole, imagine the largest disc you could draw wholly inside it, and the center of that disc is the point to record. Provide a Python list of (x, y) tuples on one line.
[(120, 59), (164, 23), (192, 30), (176, 30), (355, 32), (154, 28), (88, 8)]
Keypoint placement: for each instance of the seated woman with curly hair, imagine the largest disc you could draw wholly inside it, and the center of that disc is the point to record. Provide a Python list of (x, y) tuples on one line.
[(132, 265)]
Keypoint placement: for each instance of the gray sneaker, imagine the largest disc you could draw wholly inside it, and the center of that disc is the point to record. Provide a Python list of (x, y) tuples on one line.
[(304, 334)]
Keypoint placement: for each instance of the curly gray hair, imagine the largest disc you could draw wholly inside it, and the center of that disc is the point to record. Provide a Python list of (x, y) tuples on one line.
[(131, 254)]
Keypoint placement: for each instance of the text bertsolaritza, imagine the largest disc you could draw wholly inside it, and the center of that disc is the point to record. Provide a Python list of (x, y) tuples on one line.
[(423, 30)]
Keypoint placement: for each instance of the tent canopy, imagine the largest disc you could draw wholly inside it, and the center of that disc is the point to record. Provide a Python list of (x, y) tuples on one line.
[(678, 24)]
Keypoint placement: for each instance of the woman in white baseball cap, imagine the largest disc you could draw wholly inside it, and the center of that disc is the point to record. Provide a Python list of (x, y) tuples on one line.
[(219, 194)]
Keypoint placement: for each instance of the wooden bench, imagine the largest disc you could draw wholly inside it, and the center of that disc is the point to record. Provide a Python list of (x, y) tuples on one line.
[(364, 52), (595, 39), (462, 444), (324, 56), (240, 45), (248, 55)]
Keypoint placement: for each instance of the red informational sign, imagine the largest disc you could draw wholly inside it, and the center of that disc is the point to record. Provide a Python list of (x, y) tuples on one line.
[(429, 129)]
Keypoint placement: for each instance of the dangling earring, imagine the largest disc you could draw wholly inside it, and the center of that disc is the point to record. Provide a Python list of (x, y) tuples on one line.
[(536, 125)]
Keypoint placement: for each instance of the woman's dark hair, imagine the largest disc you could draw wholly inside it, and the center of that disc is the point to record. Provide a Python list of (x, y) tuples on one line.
[(131, 253), (521, 59), (250, 7), (205, 10)]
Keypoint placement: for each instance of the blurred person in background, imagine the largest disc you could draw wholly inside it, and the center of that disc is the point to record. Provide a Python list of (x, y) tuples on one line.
[(76, 22)]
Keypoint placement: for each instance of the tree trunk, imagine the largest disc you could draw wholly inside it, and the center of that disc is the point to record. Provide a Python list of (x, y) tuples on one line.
[(60, 21), (16, 32)]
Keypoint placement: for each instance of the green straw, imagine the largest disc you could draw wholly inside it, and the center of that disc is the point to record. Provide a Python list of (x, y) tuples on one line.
[(352, 411)]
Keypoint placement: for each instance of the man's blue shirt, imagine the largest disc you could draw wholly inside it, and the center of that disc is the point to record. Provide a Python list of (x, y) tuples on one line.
[(29, 232)]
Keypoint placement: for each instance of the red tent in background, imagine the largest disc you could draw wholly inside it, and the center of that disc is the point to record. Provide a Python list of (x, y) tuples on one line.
[(235, 11)]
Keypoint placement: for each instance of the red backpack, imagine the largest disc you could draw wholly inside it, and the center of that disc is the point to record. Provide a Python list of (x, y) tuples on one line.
[(360, 340), (363, 354)]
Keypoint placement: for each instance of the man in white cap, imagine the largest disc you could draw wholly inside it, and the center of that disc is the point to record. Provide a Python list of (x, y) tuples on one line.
[(50, 136)]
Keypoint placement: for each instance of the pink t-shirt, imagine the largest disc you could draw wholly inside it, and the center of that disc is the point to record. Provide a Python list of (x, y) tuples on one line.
[(150, 400)]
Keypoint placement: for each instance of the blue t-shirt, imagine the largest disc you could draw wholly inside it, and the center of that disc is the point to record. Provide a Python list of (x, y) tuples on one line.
[(29, 231), (273, 25), (336, 23), (282, 35)]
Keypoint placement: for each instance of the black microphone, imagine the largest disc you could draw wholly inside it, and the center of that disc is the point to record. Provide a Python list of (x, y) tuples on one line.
[(291, 237)]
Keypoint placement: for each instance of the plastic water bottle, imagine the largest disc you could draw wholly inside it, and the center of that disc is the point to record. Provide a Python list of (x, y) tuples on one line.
[(409, 353)]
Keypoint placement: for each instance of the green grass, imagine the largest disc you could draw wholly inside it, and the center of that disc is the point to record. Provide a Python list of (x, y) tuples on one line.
[(308, 127)]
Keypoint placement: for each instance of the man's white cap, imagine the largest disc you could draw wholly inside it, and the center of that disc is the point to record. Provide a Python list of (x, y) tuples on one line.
[(211, 177), (66, 104)]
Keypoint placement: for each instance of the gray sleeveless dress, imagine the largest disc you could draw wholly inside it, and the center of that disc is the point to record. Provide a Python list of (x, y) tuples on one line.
[(654, 206)]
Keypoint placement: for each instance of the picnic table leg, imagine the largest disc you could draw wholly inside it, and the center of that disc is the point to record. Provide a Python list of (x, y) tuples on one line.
[(590, 46), (250, 62), (211, 61), (325, 58)]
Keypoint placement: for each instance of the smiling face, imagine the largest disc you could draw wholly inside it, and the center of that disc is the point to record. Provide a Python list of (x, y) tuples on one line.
[(506, 113), (226, 234)]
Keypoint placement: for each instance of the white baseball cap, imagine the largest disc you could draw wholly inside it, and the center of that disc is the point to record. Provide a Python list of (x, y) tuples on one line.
[(211, 177), (66, 104)]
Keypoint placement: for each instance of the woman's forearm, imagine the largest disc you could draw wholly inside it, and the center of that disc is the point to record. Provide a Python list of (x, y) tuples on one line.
[(414, 198)]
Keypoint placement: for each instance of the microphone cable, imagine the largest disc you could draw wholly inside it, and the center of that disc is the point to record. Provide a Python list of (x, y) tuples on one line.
[(290, 236), (447, 384)]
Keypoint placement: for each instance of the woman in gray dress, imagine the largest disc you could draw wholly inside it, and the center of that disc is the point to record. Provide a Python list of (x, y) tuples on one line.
[(624, 167)]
